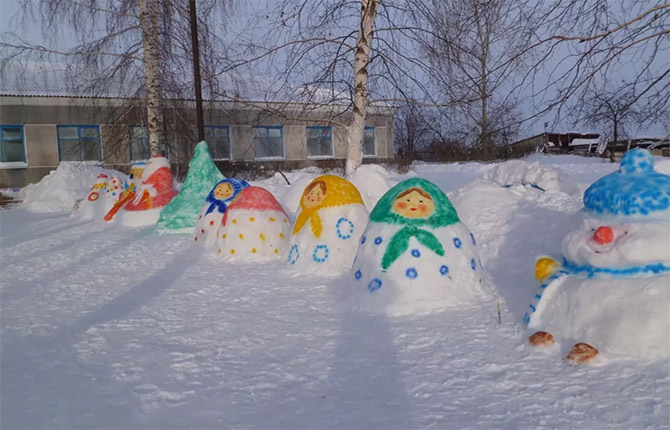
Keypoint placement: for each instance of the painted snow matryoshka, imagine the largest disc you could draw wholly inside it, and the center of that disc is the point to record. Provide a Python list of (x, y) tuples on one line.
[(104, 193), (415, 255), (135, 177), (155, 191), (254, 226), (209, 223), (611, 291), (329, 222)]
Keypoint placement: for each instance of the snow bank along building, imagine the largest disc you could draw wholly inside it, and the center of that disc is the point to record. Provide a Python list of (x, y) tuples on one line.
[(38, 132)]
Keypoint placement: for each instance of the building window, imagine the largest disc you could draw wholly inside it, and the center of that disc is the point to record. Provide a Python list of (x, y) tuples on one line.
[(139, 143), (268, 143), (12, 147), (369, 142), (79, 143), (218, 140), (319, 142)]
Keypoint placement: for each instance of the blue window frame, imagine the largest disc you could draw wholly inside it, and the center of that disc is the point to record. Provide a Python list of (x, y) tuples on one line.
[(369, 142), (79, 143), (12, 144), (268, 143), (319, 142), (218, 140)]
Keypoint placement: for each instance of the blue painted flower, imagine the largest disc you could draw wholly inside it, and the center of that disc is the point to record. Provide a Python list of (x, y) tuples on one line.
[(320, 254), (444, 270), (345, 228), (363, 240), (358, 275), (293, 254), (473, 264), (378, 240), (411, 273), (416, 253), (472, 236), (374, 285), (457, 242)]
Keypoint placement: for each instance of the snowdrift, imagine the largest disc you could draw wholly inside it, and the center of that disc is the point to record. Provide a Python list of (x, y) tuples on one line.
[(60, 190), (520, 172)]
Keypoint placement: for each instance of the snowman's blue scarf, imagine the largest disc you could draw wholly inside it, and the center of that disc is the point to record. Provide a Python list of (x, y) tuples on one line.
[(221, 205), (592, 272)]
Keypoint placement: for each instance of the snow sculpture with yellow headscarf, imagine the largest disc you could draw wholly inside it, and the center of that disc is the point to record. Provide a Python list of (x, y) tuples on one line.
[(328, 225)]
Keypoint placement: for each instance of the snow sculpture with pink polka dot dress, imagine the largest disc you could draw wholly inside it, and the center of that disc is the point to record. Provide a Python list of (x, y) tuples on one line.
[(611, 289), (415, 255), (254, 227), (208, 225)]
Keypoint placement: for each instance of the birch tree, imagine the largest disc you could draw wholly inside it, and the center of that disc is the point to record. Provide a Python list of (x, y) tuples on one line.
[(361, 61), (136, 49)]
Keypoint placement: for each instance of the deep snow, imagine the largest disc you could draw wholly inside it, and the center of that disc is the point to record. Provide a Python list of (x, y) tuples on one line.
[(112, 327)]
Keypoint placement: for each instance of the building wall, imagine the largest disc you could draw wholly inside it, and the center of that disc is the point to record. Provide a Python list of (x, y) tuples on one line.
[(41, 115)]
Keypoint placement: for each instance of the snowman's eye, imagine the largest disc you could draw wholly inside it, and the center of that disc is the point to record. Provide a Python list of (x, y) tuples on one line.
[(593, 229)]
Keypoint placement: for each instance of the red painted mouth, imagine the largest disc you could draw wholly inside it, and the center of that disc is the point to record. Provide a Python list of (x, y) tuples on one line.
[(412, 209)]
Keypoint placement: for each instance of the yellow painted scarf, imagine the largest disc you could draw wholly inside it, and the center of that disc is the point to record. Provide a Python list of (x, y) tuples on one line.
[(339, 192)]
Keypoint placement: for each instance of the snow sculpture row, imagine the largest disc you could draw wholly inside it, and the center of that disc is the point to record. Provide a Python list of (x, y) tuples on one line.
[(414, 256), (612, 288)]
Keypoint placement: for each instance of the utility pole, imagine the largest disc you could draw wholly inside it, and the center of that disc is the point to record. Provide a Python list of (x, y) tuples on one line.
[(196, 70)]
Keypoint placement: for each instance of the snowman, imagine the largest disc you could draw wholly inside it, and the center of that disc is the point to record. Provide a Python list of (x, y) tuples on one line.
[(611, 291), (254, 227), (328, 225), (143, 206), (104, 193), (415, 255), (209, 223)]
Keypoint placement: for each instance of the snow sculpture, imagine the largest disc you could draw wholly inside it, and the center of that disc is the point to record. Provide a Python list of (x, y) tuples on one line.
[(211, 216), (612, 289), (135, 177), (327, 228), (254, 226), (181, 214), (143, 206), (415, 255), (104, 193)]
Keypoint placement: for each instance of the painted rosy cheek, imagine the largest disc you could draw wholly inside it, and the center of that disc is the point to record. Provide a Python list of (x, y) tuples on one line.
[(422, 208), (402, 205)]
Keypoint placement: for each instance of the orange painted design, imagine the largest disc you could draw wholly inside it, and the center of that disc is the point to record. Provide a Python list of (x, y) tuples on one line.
[(272, 219), (224, 236), (232, 251), (281, 235), (241, 236), (276, 251), (252, 219), (93, 196), (262, 236), (253, 250), (219, 250), (211, 222), (234, 221)]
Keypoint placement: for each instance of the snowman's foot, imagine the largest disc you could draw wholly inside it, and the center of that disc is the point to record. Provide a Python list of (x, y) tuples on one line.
[(541, 338), (581, 353)]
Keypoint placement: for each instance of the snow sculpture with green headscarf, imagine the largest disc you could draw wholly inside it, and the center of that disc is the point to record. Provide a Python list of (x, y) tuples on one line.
[(415, 255)]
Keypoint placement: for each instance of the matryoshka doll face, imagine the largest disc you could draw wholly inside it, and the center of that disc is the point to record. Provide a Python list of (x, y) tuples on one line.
[(314, 194), (414, 203), (223, 191)]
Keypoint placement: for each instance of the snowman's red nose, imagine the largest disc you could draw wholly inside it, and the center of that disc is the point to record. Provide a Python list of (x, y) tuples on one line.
[(603, 235)]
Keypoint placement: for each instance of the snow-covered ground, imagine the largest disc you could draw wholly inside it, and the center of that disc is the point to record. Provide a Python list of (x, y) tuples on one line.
[(104, 326)]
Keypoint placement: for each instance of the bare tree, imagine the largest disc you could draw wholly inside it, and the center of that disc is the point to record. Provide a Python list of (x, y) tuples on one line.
[(582, 44), (414, 128), (139, 50), (612, 112), (477, 48)]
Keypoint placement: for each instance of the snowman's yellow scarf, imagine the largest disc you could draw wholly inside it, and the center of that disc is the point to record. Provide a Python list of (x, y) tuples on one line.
[(339, 192)]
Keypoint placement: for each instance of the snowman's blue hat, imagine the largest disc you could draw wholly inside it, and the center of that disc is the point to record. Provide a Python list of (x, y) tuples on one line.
[(635, 190)]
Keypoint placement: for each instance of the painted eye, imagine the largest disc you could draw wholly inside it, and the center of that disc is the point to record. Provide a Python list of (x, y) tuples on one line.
[(408, 200), (420, 201)]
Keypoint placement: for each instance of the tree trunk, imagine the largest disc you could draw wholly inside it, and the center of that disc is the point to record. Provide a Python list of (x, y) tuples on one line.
[(361, 61), (149, 21)]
